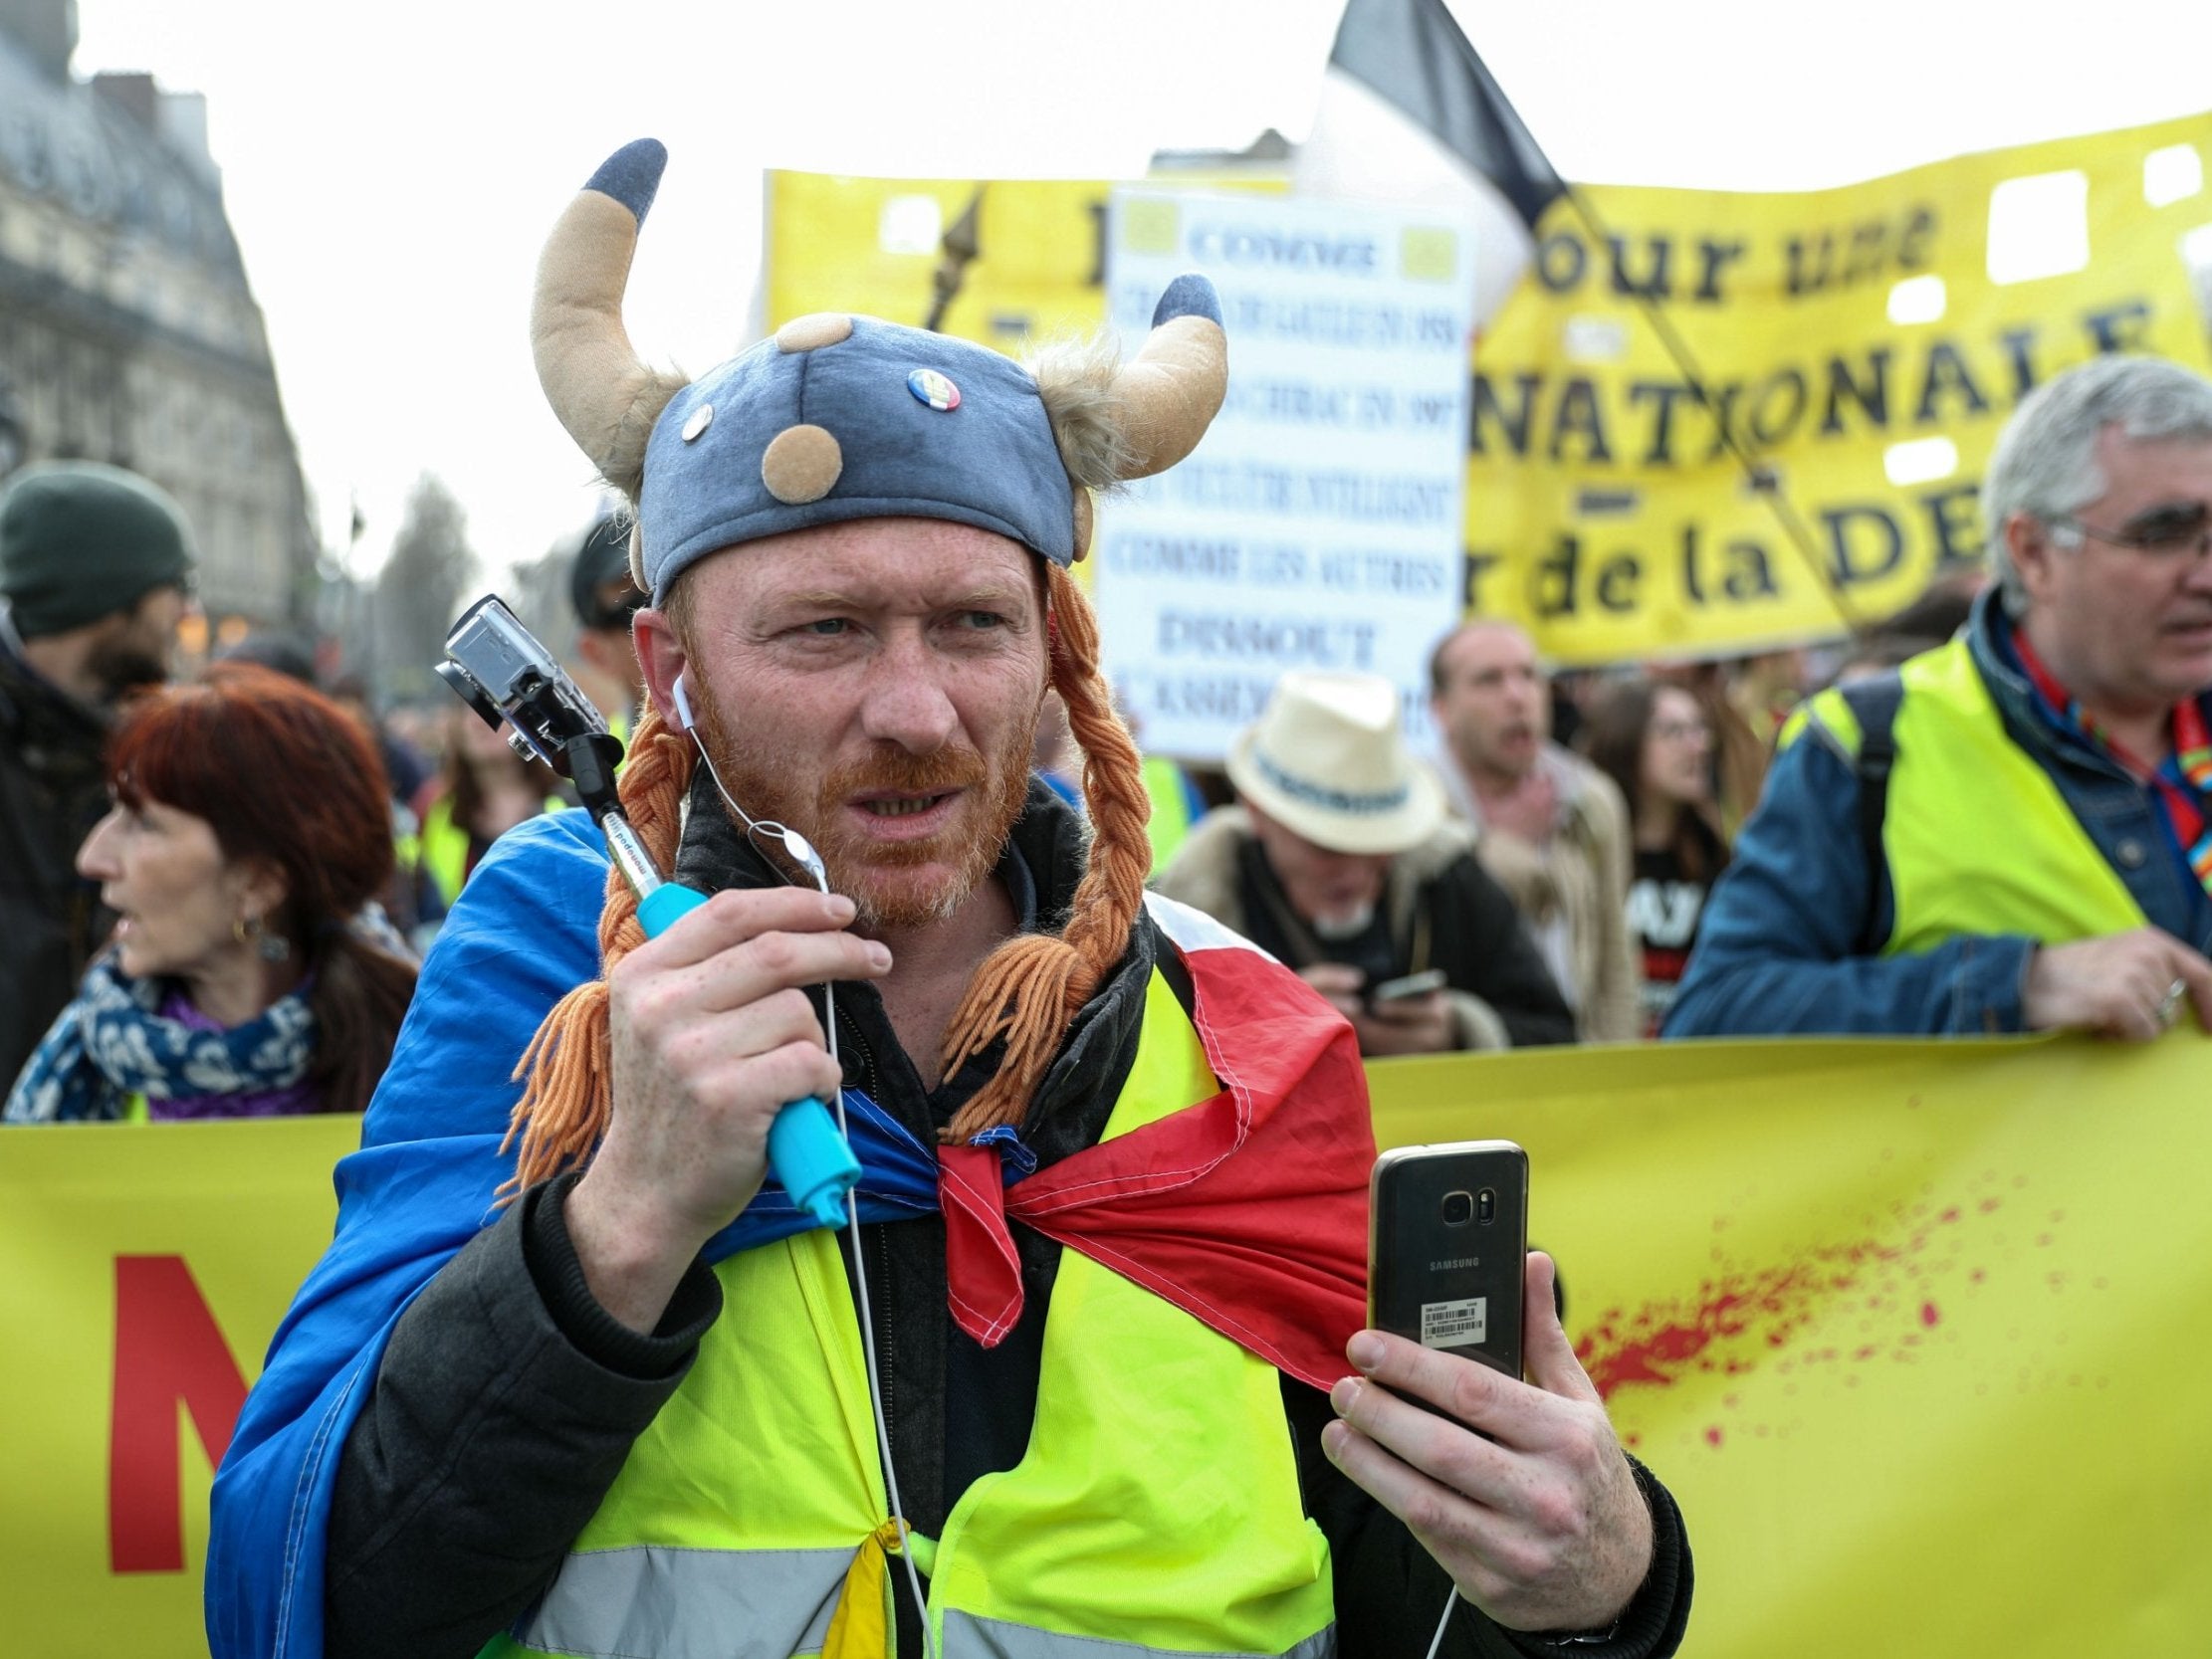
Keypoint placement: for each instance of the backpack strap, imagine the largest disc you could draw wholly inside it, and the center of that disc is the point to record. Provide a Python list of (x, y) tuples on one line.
[(1875, 703)]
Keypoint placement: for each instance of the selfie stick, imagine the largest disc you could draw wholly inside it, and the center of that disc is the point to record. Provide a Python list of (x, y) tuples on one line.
[(500, 670)]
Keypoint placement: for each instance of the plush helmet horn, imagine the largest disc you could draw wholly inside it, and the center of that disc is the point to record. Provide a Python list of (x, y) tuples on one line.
[(602, 392), (1173, 388), (1117, 421)]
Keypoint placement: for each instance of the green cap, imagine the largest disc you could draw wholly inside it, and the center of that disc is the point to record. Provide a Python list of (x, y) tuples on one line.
[(79, 541)]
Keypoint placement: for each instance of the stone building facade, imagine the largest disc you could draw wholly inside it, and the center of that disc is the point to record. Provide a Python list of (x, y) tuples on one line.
[(128, 330)]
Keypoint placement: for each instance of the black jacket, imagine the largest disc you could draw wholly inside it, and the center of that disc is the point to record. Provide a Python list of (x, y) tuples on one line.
[(1440, 910), (53, 790), (508, 1400)]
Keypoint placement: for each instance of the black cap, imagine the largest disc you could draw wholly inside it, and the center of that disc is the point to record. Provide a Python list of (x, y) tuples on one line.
[(604, 560), (79, 541)]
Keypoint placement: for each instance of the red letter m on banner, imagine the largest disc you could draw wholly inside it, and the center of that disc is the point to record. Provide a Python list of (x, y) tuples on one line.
[(168, 1352)]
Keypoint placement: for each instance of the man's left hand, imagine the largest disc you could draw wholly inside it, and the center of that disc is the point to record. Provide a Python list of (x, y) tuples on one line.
[(1407, 1025), (1540, 1525)]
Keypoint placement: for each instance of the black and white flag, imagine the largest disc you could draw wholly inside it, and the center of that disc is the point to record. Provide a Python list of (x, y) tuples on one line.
[(1409, 114)]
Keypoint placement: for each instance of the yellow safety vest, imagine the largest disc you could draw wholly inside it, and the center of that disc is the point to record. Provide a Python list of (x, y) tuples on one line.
[(1171, 809), (1157, 1509), (1977, 837), (443, 846)]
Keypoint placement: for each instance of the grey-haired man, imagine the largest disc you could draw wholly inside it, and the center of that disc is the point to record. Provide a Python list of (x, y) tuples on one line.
[(2013, 832)]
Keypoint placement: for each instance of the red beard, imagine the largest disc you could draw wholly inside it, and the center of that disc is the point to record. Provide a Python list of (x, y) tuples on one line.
[(882, 878)]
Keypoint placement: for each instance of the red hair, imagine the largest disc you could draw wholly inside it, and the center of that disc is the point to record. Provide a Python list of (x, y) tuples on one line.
[(283, 775)]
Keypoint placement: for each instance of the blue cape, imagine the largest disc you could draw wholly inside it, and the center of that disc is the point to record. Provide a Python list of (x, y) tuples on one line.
[(524, 934)]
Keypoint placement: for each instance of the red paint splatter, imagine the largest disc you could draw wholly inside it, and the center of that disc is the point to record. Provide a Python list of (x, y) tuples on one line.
[(1742, 1313), (1713, 1435)]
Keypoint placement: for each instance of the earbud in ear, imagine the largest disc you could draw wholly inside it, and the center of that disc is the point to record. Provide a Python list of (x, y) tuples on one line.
[(683, 702)]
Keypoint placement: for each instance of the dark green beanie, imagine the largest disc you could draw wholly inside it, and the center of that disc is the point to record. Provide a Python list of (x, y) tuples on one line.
[(80, 541)]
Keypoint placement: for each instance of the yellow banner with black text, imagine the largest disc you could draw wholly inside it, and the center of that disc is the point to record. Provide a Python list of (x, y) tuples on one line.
[(1860, 347), (1907, 1327)]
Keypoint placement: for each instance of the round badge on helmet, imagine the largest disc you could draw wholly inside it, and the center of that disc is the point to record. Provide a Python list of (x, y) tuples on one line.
[(932, 389)]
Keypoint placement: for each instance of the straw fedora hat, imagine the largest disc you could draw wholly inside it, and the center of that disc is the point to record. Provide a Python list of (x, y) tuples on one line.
[(1327, 759)]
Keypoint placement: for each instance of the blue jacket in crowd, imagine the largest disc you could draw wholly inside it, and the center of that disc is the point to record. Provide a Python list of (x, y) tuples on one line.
[(1781, 946)]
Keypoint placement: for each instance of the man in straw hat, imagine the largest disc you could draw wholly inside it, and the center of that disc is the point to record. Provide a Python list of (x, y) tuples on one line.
[(1111, 1218), (1340, 860)]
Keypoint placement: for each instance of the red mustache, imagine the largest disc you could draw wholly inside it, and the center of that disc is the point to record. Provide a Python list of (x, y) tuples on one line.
[(898, 772)]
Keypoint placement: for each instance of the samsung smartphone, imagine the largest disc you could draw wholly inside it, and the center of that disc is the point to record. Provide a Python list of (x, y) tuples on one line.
[(1446, 1247)]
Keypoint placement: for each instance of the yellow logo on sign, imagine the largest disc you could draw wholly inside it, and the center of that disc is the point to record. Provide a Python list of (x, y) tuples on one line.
[(1149, 224), (1428, 254)]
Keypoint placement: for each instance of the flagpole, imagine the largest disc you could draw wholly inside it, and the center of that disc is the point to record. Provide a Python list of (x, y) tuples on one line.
[(956, 252), (1411, 34)]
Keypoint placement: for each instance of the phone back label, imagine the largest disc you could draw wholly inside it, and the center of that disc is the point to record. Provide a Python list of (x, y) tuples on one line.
[(1455, 1323)]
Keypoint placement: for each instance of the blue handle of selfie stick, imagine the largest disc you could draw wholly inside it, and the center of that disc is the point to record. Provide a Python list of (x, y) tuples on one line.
[(812, 1159)]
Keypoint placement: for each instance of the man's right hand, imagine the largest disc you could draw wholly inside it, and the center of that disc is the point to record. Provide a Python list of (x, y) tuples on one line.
[(712, 1036), (2115, 987)]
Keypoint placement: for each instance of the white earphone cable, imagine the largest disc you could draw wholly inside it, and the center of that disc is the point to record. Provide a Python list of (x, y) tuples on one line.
[(801, 852), (1436, 1642)]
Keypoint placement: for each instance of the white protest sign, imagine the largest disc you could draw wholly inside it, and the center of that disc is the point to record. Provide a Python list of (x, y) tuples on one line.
[(1318, 526)]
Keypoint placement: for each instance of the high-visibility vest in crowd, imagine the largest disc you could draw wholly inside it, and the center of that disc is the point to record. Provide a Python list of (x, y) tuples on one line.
[(1157, 1508), (442, 845), (1977, 837), (1169, 822)]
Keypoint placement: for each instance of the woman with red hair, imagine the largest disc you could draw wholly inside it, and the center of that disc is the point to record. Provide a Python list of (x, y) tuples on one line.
[(250, 972)]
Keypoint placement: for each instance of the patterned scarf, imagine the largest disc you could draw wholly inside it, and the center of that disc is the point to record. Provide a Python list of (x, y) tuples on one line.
[(2183, 780), (113, 1042)]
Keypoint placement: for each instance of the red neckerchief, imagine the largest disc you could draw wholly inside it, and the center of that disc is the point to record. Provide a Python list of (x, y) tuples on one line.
[(1247, 1210)]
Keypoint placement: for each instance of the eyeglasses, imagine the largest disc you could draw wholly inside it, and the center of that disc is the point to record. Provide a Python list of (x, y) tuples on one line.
[(2165, 533), (1682, 731)]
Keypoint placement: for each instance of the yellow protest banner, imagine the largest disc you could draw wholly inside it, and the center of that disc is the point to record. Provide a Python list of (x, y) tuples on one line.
[(1910, 1328), (1858, 343), (148, 1266), (1863, 344), (874, 245)]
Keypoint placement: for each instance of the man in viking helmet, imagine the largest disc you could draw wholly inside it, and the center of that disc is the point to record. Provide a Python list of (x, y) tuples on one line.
[(577, 1377)]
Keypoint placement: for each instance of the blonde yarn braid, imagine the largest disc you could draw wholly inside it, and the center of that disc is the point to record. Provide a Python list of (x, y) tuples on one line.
[(570, 1093), (1030, 988)]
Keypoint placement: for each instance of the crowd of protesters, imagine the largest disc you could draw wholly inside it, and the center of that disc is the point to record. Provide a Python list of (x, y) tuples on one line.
[(1988, 815)]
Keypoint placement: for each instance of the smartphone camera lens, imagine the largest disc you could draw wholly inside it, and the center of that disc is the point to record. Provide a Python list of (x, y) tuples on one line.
[(1458, 1208), (1486, 1205)]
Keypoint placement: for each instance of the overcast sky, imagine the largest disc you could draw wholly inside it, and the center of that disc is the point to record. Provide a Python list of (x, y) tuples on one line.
[(391, 169)]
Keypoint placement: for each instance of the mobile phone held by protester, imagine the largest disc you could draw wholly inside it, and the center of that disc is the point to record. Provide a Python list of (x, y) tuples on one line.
[(1413, 984), (1447, 1248)]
